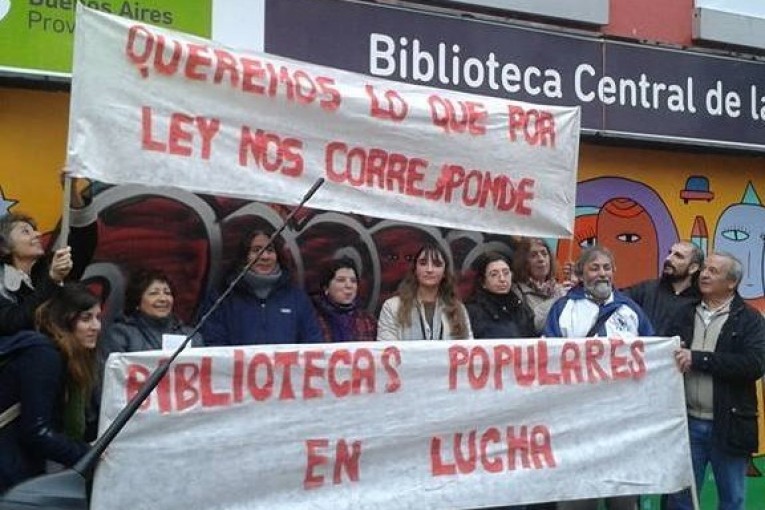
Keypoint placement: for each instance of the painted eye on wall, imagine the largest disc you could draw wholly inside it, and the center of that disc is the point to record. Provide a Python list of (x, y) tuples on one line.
[(735, 234), (588, 241), (628, 238)]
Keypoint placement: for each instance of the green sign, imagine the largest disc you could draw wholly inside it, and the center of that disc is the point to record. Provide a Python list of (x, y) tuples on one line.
[(36, 35)]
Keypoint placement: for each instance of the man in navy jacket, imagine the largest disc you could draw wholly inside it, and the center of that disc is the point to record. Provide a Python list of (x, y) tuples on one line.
[(592, 308), (722, 357)]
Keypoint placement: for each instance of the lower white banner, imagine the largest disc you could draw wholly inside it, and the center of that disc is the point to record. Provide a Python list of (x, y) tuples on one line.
[(419, 425)]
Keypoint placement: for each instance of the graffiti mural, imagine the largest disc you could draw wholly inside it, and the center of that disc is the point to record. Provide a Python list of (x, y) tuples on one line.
[(741, 231), (638, 202)]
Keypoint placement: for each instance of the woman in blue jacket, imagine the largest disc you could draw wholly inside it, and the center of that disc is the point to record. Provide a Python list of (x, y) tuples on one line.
[(265, 307)]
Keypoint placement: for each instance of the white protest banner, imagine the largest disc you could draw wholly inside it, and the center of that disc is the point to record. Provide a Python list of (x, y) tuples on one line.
[(383, 425), (156, 107)]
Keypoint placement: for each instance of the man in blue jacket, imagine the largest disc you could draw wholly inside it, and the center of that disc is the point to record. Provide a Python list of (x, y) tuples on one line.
[(593, 308)]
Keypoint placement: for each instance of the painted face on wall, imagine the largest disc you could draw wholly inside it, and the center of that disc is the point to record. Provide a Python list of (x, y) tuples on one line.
[(625, 227), (585, 235), (741, 232)]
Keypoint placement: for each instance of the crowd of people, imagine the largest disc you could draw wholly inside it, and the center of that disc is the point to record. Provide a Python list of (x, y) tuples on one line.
[(53, 349)]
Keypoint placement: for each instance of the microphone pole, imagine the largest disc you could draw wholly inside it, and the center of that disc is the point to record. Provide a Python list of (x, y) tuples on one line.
[(87, 463)]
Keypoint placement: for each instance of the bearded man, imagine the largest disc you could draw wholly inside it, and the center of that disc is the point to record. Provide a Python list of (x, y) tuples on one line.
[(661, 298), (594, 307), (722, 357)]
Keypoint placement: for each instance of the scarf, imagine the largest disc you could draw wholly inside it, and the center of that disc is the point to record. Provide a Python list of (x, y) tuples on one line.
[(261, 284), (546, 288), (162, 324), (339, 317), (74, 411)]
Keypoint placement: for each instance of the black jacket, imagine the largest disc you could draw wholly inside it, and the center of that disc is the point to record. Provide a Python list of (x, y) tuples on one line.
[(736, 364), (500, 316), (658, 300), (18, 305), (32, 373)]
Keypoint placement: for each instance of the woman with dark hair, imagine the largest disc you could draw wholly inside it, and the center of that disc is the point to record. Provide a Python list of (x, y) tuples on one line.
[(26, 281), (46, 386), (495, 311), (264, 307), (340, 316), (535, 281), (425, 307), (148, 315)]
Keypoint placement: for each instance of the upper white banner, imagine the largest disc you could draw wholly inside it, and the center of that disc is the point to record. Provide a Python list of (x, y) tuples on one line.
[(156, 107), (380, 425)]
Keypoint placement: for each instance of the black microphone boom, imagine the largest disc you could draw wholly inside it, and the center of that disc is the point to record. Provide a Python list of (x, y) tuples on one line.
[(67, 490)]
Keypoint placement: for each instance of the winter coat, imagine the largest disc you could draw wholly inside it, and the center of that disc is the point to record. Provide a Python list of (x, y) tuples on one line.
[(139, 332), (285, 316), (500, 316), (736, 364), (33, 373), (389, 328), (20, 296), (342, 324), (574, 314), (537, 302), (658, 300)]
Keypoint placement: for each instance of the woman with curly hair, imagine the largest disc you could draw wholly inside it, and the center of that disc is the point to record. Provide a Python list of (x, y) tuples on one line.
[(148, 315), (535, 283), (425, 307), (46, 383)]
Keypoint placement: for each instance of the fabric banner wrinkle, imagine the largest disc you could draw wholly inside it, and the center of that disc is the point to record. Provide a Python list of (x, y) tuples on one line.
[(461, 424), (157, 107)]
